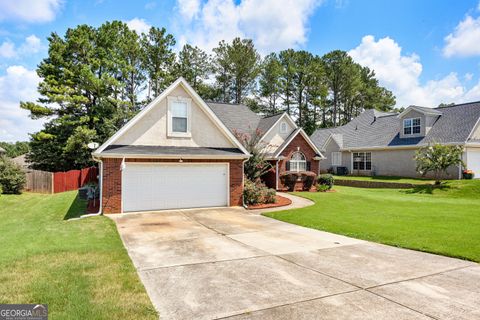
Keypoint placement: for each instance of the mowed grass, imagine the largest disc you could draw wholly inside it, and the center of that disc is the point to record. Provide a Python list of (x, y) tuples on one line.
[(79, 268), (444, 221), (387, 179)]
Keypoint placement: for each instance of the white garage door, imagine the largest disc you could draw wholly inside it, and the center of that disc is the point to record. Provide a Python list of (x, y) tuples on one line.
[(473, 161), (156, 186)]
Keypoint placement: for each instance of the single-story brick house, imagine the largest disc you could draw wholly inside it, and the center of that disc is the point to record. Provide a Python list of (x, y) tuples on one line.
[(183, 152), (383, 143)]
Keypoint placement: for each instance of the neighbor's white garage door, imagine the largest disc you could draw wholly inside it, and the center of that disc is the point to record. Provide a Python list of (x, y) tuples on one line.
[(156, 186), (473, 161)]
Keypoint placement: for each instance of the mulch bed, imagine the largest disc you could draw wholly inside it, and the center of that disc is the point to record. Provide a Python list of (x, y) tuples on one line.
[(280, 202), (93, 208)]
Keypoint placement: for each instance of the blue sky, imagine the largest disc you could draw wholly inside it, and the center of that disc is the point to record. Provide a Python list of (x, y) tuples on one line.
[(426, 51)]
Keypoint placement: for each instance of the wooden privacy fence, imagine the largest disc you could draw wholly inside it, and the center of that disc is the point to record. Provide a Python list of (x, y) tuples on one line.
[(73, 179), (39, 181), (55, 182)]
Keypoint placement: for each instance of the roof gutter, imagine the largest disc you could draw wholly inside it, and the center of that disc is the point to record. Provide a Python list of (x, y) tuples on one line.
[(173, 156)]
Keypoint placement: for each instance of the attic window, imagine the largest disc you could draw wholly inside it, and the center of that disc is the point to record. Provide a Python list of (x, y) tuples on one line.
[(179, 117), (411, 126), (283, 127)]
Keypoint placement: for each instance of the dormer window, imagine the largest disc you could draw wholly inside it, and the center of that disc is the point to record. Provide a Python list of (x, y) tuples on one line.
[(179, 117), (283, 127), (411, 126)]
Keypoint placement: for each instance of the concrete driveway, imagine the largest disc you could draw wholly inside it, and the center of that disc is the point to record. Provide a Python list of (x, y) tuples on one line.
[(221, 263)]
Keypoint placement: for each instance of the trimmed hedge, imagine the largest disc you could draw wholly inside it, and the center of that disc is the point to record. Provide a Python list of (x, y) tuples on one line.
[(289, 179), (308, 179)]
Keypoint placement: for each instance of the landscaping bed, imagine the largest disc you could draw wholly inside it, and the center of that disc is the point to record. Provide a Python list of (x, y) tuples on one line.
[(279, 202)]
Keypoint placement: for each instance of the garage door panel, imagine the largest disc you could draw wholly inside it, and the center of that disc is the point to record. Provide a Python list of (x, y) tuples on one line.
[(171, 186), (473, 161)]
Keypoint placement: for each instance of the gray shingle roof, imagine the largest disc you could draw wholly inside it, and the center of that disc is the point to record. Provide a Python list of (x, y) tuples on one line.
[(266, 123), (236, 117), (378, 129), (239, 118), (166, 150)]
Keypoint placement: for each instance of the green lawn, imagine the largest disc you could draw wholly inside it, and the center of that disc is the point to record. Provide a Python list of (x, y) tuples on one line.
[(444, 221), (79, 268), (387, 179)]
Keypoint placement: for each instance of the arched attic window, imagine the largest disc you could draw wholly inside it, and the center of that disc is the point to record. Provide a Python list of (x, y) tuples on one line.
[(297, 162)]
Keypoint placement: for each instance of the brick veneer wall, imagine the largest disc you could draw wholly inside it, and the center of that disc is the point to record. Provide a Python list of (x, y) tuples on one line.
[(306, 149), (112, 181)]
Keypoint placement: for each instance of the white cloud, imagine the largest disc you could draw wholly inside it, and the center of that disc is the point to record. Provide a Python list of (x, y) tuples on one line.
[(32, 44), (17, 84), (29, 10), (273, 24), (465, 39), (400, 73), (188, 8), (7, 49), (139, 25)]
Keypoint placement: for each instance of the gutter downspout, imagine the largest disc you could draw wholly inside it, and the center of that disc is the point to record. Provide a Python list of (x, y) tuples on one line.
[(100, 185), (243, 182), (276, 175)]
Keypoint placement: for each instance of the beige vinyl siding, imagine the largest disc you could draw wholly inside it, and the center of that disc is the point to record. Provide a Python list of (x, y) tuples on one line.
[(396, 163), (275, 138), (151, 130)]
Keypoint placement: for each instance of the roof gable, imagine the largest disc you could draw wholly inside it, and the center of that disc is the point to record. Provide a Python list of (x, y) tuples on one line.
[(373, 130), (142, 115), (298, 131)]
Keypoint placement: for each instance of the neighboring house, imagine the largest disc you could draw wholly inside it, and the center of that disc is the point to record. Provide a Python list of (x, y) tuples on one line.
[(22, 161), (380, 143), (180, 152)]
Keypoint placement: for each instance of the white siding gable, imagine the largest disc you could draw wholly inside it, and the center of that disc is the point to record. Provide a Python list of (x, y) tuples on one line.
[(274, 138), (151, 129)]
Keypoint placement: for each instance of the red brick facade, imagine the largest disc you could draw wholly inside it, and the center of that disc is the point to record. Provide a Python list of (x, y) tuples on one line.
[(112, 181), (297, 144)]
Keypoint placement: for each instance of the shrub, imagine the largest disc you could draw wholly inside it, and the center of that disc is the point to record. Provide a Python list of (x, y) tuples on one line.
[(308, 178), (269, 196), (251, 194), (1, 189), (257, 193), (468, 174), (12, 178), (326, 180), (322, 187), (289, 179)]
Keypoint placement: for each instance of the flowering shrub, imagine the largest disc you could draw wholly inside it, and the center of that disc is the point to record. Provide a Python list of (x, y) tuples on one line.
[(257, 193), (468, 174)]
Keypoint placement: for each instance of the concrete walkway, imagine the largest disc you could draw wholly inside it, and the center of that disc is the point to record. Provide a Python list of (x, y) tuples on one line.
[(231, 263)]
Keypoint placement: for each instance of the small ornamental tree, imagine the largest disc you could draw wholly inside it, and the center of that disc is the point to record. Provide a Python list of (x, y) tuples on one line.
[(256, 166), (437, 158)]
